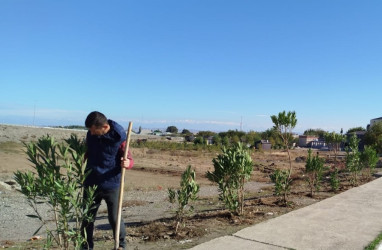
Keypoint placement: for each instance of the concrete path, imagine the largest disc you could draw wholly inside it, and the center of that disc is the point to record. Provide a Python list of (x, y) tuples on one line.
[(350, 220)]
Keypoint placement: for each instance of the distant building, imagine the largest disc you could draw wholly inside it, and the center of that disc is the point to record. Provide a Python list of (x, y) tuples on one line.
[(319, 144), (304, 140), (145, 132), (373, 121), (295, 136), (263, 144), (209, 140)]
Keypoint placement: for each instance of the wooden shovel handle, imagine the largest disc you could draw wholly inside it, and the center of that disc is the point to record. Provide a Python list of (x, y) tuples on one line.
[(121, 188)]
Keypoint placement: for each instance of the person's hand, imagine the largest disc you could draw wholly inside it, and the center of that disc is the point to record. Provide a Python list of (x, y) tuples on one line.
[(125, 163)]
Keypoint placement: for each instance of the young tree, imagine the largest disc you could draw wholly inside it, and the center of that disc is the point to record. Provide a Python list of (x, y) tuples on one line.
[(314, 168), (283, 124), (334, 180), (282, 182), (353, 159), (188, 191), (231, 169), (334, 140), (369, 159)]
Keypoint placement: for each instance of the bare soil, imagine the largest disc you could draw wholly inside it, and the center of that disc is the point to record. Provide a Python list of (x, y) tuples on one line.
[(147, 212)]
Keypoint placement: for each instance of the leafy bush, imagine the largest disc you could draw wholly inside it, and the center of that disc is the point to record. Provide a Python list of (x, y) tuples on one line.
[(283, 182), (369, 159), (314, 168), (199, 140), (334, 180), (188, 191), (231, 169), (353, 159), (57, 181)]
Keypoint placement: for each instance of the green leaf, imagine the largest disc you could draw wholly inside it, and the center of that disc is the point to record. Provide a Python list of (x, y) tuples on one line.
[(38, 230), (32, 216)]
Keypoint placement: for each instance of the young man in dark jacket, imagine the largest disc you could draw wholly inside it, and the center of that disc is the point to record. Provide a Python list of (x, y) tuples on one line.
[(106, 142)]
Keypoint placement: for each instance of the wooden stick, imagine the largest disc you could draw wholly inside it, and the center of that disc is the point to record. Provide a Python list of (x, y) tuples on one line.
[(121, 187)]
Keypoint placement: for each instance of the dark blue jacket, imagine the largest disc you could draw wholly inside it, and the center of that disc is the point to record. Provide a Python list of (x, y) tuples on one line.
[(104, 157)]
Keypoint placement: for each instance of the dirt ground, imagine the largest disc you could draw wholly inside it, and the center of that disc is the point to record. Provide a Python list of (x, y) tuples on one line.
[(147, 212)]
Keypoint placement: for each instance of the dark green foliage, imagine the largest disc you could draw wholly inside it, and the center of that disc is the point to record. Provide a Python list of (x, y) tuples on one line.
[(172, 129), (373, 137), (205, 134), (199, 140), (251, 137), (231, 169), (315, 132), (232, 133), (218, 141), (186, 132), (352, 130)]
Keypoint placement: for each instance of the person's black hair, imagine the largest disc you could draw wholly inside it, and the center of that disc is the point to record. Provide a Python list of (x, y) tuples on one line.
[(95, 118)]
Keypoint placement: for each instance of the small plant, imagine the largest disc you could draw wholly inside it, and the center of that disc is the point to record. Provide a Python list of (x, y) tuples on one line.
[(283, 124), (334, 180), (188, 191), (314, 168), (231, 169), (283, 182), (369, 159), (334, 140), (353, 159), (57, 182)]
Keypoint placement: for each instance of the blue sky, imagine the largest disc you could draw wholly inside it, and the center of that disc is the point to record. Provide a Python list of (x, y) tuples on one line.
[(196, 64)]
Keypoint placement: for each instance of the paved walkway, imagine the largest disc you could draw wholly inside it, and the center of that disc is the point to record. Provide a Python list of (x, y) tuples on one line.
[(350, 220)]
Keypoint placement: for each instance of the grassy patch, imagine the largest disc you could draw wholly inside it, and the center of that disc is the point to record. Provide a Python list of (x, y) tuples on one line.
[(373, 245)]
